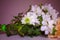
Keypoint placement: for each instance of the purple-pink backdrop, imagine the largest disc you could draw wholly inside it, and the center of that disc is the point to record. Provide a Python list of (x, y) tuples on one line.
[(10, 8)]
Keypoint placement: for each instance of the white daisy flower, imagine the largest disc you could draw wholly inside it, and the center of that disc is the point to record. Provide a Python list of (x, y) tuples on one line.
[(30, 18), (25, 20)]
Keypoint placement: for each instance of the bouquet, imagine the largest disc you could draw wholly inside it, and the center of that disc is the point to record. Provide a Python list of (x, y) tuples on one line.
[(38, 20)]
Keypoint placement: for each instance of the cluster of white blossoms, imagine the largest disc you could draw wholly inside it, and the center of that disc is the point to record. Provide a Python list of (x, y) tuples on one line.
[(49, 17)]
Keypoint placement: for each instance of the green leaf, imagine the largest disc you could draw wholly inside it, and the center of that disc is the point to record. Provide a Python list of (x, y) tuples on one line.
[(30, 31), (3, 27), (11, 30), (25, 29), (53, 31), (40, 19), (20, 27), (37, 31)]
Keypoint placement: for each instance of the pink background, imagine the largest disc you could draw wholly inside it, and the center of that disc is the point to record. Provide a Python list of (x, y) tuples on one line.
[(10, 8)]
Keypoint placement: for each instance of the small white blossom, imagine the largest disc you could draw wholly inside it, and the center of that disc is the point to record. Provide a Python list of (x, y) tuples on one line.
[(43, 28), (46, 32), (36, 9), (32, 14), (44, 23)]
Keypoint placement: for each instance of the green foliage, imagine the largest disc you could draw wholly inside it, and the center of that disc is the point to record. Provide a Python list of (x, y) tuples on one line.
[(10, 30), (40, 19), (3, 27), (21, 29), (29, 30), (36, 31), (53, 31)]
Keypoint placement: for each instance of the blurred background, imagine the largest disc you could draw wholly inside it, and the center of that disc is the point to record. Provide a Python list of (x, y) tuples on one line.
[(10, 8)]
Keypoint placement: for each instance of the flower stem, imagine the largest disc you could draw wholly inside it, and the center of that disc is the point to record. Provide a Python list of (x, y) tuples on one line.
[(0, 29)]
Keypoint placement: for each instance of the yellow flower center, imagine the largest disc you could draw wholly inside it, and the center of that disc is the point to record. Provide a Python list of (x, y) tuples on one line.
[(27, 20)]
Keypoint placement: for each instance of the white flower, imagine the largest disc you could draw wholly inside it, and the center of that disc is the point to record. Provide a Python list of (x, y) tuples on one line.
[(46, 17), (51, 26), (25, 20), (48, 26), (36, 9), (44, 23), (47, 6), (46, 32), (30, 18), (43, 28), (32, 14), (51, 22), (51, 11), (42, 13)]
